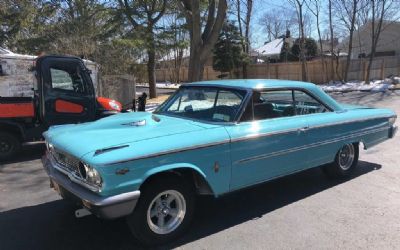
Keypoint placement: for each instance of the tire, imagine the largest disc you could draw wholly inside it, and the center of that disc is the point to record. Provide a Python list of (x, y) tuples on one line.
[(345, 162), (10, 145), (144, 221)]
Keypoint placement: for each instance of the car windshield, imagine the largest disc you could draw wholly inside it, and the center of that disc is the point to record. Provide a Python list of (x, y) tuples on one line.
[(204, 103)]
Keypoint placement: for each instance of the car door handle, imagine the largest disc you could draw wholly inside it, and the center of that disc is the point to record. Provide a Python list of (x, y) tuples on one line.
[(303, 129)]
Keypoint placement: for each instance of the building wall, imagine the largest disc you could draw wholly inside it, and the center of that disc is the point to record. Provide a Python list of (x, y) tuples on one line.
[(388, 41)]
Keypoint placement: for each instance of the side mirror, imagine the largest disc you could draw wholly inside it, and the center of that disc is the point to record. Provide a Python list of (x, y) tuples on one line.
[(188, 108)]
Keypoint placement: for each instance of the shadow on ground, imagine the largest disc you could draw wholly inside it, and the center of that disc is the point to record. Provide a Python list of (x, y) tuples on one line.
[(52, 225)]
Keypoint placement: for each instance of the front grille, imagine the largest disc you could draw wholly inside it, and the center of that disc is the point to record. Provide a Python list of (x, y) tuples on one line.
[(69, 163)]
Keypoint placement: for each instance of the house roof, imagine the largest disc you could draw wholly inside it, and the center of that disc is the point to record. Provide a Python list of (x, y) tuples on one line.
[(272, 48)]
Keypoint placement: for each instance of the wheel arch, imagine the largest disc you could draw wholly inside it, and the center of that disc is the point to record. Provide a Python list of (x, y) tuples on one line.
[(193, 174)]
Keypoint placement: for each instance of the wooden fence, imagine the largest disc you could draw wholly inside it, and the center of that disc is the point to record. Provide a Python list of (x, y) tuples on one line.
[(318, 71)]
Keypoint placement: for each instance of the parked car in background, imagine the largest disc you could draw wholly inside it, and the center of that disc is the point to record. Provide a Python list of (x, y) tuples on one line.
[(209, 138)]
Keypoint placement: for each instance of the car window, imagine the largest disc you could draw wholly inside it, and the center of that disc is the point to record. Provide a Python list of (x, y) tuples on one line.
[(306, 104), (63, 80), (270, 104), (195, 100), (204, 103)]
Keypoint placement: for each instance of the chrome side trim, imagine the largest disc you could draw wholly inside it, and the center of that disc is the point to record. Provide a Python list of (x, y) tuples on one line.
[(172, 151), (248, 137), (311, 145), (255, 136), (351, 121)]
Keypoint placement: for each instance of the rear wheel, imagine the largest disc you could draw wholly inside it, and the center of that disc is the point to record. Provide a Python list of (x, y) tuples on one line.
[(345, 161), (164, 211), (9, 145)]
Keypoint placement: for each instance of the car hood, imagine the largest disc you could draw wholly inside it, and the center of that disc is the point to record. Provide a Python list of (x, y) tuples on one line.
[(116, 130)]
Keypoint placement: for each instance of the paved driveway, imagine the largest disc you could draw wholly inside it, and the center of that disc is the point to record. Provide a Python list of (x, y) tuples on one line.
[(301, 211)]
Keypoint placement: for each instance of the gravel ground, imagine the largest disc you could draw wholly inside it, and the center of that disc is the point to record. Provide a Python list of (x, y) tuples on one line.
[(302, 211)]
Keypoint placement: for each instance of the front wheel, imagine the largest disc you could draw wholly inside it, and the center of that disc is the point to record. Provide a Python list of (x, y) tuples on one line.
[(164, 211), (345, 161)]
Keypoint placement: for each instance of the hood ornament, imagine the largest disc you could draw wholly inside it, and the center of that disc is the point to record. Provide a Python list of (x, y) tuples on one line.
[(135, 123)]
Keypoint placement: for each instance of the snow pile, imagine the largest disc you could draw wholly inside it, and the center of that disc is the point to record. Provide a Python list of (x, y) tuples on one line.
[(161, 85), (373, 86)]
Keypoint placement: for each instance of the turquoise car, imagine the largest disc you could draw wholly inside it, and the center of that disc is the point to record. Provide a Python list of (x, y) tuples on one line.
[(208, 138)]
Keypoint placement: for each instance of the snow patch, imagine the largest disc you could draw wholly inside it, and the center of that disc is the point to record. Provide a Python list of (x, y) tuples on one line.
[(373, 86)]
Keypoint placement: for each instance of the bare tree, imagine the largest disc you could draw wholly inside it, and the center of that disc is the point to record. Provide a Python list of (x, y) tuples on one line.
[(315, 8), (276, 23), (346, 11), (202, 40), (379, 11), (143, 15), (299, 5), (248, 4)]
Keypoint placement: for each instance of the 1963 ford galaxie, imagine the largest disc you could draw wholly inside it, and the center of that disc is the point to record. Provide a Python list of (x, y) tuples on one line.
[(207, 138)]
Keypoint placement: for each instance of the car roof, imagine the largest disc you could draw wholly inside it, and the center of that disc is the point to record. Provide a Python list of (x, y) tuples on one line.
[(254, 83), (271, 84)]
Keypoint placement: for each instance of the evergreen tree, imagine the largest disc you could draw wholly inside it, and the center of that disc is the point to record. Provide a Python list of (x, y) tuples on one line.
[(228, 53), (293, 54)]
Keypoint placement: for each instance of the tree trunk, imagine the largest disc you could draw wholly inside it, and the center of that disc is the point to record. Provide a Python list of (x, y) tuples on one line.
[(302, 48), (151, 64), (151, 68), (202, 40), (332, 42), (247, 34), (350, 50)]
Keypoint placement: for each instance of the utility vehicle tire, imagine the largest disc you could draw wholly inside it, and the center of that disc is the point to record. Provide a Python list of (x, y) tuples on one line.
[(10, 145)]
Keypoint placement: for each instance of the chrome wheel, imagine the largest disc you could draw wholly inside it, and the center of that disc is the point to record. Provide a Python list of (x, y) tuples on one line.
[(346, 156), (166, 212)]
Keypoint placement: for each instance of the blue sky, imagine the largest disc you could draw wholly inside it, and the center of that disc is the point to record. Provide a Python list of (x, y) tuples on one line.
[(258, 34)]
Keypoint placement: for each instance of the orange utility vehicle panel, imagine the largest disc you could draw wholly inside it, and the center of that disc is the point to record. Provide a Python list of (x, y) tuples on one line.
[(14, 110), (68, 107)]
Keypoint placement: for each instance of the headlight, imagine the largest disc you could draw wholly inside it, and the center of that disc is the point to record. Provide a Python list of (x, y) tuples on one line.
[(392, 120), (49, 146), (90, 174)]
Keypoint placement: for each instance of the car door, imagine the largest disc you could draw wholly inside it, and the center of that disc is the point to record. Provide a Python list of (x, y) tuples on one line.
[(324, 130), (268, 141), (66, 90)]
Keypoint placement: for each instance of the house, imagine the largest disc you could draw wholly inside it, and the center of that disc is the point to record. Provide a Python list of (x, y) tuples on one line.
[(271, 50), (170, 59), (388, 43)]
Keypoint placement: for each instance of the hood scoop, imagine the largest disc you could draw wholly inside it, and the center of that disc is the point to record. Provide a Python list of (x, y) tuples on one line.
[(135, 123)]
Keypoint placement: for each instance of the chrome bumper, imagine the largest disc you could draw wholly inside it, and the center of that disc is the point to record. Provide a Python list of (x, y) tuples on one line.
[(392, 131), (103, 207)]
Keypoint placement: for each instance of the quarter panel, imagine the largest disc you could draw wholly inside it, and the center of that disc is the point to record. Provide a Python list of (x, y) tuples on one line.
[(328, 132)]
